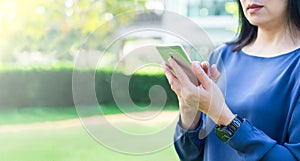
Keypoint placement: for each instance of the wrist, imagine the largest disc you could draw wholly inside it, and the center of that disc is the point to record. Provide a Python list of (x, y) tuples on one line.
[(225, 118), (224, 133), (190, 122)]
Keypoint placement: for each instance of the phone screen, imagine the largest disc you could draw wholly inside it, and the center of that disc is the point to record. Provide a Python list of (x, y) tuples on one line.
[(176, 51), (181, 57)]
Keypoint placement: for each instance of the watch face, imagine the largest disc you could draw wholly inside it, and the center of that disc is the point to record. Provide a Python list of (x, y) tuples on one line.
[(222, 134)]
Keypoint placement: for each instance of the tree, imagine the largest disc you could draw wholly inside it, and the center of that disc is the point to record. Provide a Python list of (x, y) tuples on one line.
[(55, 27)]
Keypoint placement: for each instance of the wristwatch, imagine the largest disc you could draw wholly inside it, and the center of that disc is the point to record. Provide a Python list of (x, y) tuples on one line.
[(226, 132)]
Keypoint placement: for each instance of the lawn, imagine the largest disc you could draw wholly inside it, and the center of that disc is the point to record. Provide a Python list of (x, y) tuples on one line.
[(69, 144), (44, 114), (62, 144)]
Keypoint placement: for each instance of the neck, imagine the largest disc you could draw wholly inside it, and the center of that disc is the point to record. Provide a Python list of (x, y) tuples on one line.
[(274, 33), (271, 41)]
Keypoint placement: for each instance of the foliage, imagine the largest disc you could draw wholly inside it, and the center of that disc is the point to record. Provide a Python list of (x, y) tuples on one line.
[(232, 8), (53, 87), (54, 27)]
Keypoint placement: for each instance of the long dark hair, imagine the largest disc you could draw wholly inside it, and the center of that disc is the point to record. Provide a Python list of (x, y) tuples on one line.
[(248, 32)]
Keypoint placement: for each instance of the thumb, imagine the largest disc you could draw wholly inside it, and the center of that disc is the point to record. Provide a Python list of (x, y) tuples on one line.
[(215, 74), (201, 75)]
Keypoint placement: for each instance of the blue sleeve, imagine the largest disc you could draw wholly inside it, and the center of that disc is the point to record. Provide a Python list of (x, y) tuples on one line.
[(187, 143), (253, 144)]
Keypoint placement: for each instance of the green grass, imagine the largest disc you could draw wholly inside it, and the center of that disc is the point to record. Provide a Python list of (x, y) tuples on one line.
[(35, 114), (43, 114), (67, 144)]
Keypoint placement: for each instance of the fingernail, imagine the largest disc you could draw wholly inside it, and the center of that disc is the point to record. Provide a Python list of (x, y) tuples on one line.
[(171, 59)]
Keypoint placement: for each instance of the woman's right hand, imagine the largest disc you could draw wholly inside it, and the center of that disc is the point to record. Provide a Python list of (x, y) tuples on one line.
[(189, 113)]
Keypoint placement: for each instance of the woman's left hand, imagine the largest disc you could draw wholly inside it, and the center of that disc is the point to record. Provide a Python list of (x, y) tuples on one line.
[(207, 97)]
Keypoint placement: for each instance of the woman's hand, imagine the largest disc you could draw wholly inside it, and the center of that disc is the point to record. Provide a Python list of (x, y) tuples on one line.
[(189, 114), (206, 97), (213, 73), (211, 98)]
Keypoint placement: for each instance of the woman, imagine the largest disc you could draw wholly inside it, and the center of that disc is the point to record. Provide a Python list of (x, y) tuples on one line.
[(255, 98)]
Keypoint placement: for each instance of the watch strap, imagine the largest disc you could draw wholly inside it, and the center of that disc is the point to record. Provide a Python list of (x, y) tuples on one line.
[(226, 132)]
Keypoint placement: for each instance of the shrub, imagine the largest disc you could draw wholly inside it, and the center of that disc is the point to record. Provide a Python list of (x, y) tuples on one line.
[(53, 87)]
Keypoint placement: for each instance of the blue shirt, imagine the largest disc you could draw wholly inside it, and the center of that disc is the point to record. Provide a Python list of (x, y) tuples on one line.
[(263, 91)]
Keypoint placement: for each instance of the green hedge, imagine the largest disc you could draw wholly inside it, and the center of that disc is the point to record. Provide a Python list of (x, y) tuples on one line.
[(53, 87)]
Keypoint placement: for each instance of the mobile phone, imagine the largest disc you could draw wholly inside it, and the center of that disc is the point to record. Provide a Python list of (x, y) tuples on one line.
[(181, 57)]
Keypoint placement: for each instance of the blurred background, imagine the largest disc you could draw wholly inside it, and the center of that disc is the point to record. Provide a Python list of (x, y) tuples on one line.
[(42, 44)]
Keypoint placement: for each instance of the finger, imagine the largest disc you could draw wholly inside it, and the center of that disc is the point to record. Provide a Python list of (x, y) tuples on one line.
[(166, 66), (168, 72), (180, 74), (201, 75), (205, 67), (215, 74), (174, 83)]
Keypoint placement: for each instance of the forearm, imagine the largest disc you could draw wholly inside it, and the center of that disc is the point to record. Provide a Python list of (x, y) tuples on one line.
[(189, 118), (279, 153), (253, 144)]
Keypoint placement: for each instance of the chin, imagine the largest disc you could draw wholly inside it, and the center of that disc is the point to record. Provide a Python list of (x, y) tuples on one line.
[(256, 23)]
